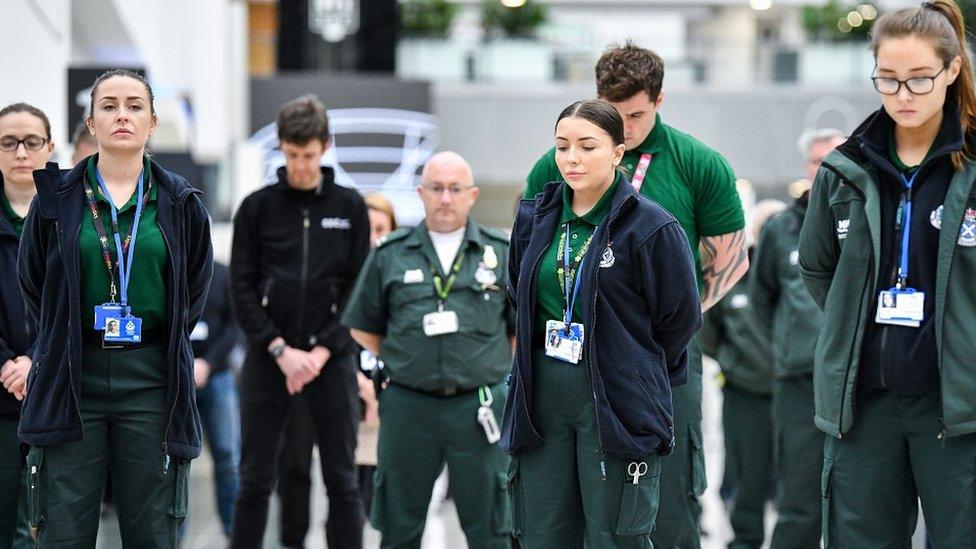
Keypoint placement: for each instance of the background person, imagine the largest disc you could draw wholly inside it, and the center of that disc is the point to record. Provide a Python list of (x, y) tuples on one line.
[(25, 146), (430, 303), (298, 246)]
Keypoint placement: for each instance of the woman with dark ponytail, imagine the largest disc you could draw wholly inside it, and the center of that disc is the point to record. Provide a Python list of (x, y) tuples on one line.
[(115, 263), (888, 250)]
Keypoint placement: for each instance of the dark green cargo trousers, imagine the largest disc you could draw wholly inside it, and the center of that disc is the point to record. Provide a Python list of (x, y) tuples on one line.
[(747, 421), (14, 530), (124, 414), (561, 496), (892, 457), (419, 434)]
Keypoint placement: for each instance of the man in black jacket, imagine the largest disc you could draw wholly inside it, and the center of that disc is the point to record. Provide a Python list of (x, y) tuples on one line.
[(298, 247), (214, 338)]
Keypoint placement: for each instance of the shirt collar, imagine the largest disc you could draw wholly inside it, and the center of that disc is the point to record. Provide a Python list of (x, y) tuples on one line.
[(654, 141), (597, 213), (146, 178)]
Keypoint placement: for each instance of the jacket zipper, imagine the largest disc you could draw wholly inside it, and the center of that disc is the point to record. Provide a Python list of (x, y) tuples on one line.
[(266, 296), (301, 304), (71, 376), (172, 410), (591, 366)]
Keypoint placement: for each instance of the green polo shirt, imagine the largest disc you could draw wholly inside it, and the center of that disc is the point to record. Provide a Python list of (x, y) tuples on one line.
[(550, 296), (147, 285), (686, 177), (8, 211), (395, 290), (896, 160)]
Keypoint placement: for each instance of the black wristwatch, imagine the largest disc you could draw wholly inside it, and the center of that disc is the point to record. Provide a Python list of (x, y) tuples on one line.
[(278, 350)]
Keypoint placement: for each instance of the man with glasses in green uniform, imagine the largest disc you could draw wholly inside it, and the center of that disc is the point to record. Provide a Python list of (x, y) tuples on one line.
[(430, 303), (697, 186)]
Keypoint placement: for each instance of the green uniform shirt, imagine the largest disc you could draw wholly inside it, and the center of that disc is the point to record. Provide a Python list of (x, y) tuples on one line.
[(685, 177), (147, 285), (10, 214), (551, 297), (395, 290), (896, 160)]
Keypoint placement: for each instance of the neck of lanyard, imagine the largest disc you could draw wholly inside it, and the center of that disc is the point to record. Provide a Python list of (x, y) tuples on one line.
[(640, 172), (125, 254), (444, 288), (569, 282), (905, 220)]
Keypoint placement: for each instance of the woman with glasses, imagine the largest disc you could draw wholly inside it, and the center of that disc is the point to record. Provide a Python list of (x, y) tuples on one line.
[(25, 146), (115, 265), (888, 250), (606, 304)]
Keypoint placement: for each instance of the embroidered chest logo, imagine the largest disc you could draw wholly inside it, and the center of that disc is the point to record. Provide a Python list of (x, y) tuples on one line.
[(739, 301), (607, 259), (795, 258), (967, 232), (935, 218), (843, 225), (336, 223)]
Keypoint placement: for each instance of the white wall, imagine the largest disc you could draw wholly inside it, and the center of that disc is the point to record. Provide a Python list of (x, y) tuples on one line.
[(36, 41)]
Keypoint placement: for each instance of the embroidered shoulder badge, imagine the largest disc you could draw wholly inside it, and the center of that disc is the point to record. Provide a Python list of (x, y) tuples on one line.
[(935, 218), (967, 232)]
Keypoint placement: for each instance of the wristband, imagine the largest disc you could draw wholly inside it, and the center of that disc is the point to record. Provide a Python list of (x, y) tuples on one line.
[(278, 350)]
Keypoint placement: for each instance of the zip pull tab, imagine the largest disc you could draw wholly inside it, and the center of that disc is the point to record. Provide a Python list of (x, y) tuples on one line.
[(603, 470), (166, 464), (941, 437)]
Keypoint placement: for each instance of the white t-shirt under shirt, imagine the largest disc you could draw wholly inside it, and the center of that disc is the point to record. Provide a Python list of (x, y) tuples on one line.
[(447, 245)]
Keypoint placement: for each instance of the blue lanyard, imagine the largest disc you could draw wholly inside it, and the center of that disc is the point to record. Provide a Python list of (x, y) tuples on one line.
[(570, 298), (124, 261), (906, 230)]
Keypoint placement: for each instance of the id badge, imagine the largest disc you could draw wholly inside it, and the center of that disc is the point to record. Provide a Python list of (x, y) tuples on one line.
[(123, 330), (562, 344), (486, 418), (104, 311), (441, 323), (901, 307)]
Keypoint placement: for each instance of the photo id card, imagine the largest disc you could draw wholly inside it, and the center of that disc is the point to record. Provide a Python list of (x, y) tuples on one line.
[(441, 323), (123, 330), (106, 310), (901, 307), (562, 343)]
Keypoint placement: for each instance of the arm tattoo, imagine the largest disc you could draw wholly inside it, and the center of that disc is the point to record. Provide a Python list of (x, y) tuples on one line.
[(724, 260)]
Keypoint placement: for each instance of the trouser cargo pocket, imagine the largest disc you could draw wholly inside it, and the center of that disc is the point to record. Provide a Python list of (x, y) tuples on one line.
[(639, 502), (501, 520), (35, 488), (181, 480), (825, 510), (377, 513), (514, 498)]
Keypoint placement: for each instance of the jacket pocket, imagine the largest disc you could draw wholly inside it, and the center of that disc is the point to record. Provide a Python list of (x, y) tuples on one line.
[(639, 502), (377, 513), (698, 480), (181, 478), (635, 405), (514, 495), (825, 510), (35, 487), (501, 519)]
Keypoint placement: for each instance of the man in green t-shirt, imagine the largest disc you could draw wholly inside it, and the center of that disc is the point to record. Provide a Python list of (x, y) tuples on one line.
[(697, 186)]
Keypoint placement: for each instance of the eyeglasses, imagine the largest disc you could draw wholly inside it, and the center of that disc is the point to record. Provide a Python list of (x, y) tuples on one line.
[(919, 85), (31, 143), (454, 190)]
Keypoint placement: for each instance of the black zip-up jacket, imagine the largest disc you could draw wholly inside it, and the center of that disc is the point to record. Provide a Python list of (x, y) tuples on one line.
[(216, 334), (295, 259), (641, 311), (16, 333), (49, 272), (897, 358)]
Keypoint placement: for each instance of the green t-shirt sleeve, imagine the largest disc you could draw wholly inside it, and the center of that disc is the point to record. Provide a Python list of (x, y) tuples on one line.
[(367, 308), (718, 209), (544, 171)]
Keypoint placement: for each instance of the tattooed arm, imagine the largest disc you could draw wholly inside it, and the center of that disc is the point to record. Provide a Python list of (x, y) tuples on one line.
[(724, 260)]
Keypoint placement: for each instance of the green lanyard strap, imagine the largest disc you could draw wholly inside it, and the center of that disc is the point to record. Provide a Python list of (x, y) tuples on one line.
[(577, 259), (444, 290)]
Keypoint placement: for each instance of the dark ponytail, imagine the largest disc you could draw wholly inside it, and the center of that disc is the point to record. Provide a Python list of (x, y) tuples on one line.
[(942, 22)]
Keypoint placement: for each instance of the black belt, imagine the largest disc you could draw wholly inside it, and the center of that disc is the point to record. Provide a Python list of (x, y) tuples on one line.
[(151, 336), (443, 392)]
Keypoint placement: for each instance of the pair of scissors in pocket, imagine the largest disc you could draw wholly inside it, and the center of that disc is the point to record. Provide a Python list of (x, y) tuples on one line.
[(636, 470)]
